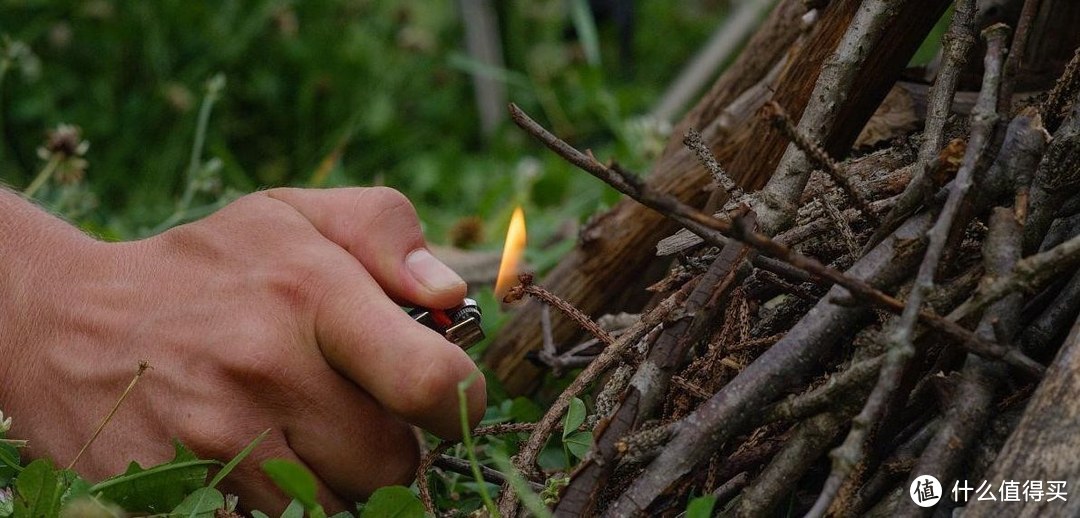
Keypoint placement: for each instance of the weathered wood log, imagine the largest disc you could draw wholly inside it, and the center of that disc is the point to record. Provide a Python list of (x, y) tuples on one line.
[(755, 163), (1043, 447)]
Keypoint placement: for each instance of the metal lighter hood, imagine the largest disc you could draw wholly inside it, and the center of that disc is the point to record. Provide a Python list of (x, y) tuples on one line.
[(460, 324)]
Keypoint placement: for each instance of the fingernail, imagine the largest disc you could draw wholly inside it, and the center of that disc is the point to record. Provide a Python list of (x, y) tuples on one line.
[(431, 272)]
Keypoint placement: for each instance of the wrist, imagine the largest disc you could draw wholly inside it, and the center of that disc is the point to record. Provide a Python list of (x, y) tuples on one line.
[(39, 252)]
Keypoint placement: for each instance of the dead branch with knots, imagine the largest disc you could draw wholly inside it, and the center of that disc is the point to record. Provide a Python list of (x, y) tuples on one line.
[(862, 319)]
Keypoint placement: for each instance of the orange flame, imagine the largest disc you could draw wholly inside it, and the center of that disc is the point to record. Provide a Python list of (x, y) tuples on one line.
[(512, 251)]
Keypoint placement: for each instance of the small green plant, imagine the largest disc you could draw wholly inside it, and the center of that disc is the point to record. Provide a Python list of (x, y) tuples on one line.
[(575, 442), (175, 488), (297, 482)]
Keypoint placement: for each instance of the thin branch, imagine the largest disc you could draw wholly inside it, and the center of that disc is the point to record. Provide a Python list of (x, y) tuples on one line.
[(463, 467), (898, 464), (1030, 273), (775, 205), (694, 141), (1054, 321), (503, 428), (715, 231), (526, 459), (729, 489), (528, 288), (1018, 159), (955, 45), (842, 226), (422, 486), (435, 457), (1055, 180), (801, 450), (651, 380), (545, 331)]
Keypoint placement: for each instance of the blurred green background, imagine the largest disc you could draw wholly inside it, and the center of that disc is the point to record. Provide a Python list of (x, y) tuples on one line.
[(326, 93)]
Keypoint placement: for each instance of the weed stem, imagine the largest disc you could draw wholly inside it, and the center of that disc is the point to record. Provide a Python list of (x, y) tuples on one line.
[(43, 176), (143, 365)]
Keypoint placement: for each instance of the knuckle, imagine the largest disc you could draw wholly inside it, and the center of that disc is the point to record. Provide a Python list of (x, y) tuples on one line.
[(298, 281), (251, 205), (384, 205), (388, 199), (209, 433), (433, 388), (430, 387), (261, 365)]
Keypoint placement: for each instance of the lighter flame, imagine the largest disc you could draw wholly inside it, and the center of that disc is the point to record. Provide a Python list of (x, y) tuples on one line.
[(512, 250)]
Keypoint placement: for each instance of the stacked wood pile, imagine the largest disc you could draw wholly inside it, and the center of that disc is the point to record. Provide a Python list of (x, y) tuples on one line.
[(831, 329)]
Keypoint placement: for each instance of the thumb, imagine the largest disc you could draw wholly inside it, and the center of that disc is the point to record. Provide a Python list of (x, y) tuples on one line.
[(379, 227)]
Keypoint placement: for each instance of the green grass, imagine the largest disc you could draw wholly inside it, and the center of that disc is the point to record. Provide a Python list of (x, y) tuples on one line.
[(377, 84)]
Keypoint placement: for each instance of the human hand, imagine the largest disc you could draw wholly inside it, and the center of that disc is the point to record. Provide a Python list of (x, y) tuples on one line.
[(279, 311)]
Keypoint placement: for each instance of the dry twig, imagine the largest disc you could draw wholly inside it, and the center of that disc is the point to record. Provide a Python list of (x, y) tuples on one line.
[(143, 365), (723, 180), (780, 119)]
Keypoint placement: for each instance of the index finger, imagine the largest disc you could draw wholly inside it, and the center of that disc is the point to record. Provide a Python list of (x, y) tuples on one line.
[(411, 370)]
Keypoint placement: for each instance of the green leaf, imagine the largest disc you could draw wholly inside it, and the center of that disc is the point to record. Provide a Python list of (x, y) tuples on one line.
[(237, 459), (579, 443), (294, 510), (9, 463), (38, 490), (393, 502), (200, 503), (260, 514), (525, 410), (700, 507), (75, 486), (295, 481), (157, 489), (575, 416), (342, 514)]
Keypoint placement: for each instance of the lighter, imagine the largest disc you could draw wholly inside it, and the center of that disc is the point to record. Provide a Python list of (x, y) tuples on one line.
[(459, 324)]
